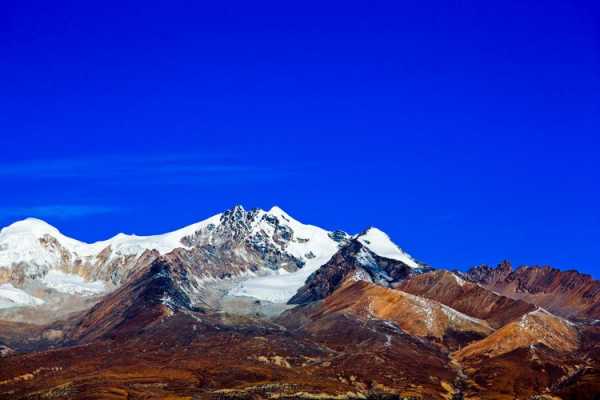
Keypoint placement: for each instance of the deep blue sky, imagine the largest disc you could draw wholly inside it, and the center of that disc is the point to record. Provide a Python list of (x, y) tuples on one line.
[(468, 131)]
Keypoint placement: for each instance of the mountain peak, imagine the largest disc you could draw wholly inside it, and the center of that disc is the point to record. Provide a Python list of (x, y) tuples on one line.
[(238, 208), (372, 229), (34, 226), (505, 266), (380, 243), (278, 211)]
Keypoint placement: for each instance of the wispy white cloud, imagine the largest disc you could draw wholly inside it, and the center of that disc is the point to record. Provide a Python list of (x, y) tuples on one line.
[(64, 211), (167, 168)]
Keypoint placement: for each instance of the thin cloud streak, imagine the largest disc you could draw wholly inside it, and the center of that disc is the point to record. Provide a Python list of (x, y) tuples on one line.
[(169, 168), (62, 211)]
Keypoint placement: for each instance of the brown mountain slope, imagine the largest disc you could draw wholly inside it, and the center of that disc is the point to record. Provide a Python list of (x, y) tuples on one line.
[(522, 359), (566, 293), (150, 340), (535, 328), (149, 296), (147, 341), (412, 314), (222, 357), (466, 297), (539, 354), (524, 373), (583, 382)]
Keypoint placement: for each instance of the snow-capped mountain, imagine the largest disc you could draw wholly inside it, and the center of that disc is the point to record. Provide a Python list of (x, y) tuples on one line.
[(381, 244), (358, 313), (268, 253), (39, 247), (31, 249), (283, 286)]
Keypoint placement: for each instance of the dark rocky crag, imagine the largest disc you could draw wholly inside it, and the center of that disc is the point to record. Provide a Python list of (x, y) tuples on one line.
[(353, 260)]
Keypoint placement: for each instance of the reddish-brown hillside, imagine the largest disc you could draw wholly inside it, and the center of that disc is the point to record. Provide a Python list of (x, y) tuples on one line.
[(412, 314), (566, 293), (466, 297)]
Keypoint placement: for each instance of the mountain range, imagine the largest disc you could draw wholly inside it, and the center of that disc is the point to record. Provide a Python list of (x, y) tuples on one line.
[(255, 304)]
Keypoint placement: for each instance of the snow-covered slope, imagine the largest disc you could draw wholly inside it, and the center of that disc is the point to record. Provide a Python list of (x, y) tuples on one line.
[(125, 245), (72, 284), (32, 249), (11, 296), (311, 244), (41, 247), (22, 242), (68, 265), (381, 244)]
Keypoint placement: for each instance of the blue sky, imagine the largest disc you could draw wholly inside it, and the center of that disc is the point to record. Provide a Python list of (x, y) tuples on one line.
[(467, 131)]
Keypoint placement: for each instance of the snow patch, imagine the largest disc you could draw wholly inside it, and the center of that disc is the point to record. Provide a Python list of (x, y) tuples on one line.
[(459, 280), (455, 315), (388, 341), (360, 275), (11, 296), (72, 284)]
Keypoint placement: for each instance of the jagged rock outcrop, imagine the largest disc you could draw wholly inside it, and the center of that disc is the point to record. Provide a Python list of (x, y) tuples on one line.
[(566, 293), (487, 275)]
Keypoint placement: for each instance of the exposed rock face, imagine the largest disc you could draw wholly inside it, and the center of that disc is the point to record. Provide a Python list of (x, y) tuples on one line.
[(566, 293), (353, 261), (256, 237), (488, 276), (466, 297)]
